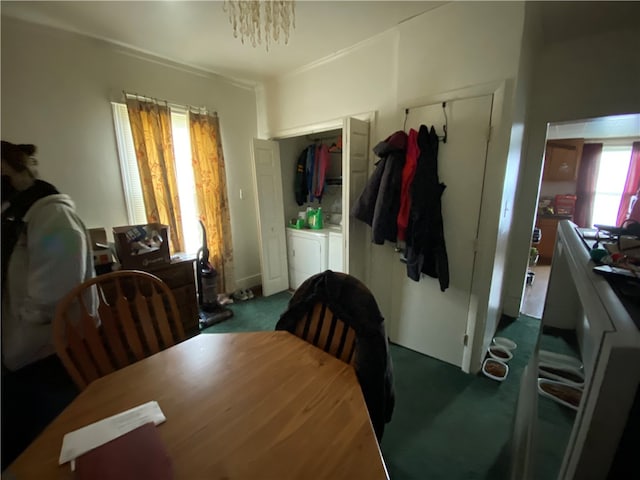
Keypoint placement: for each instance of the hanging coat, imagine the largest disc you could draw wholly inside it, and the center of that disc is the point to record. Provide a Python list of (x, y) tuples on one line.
[(426, 249), (322, 164), (408, 172), (300, 183), (310, 170), (379, 203)]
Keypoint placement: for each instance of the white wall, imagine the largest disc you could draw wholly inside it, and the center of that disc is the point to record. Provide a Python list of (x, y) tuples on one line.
[(587, 77), (56, 93), (453, 47)]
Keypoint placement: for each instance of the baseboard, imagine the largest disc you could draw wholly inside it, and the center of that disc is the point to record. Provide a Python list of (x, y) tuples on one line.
[(511, 306), (249, 282)]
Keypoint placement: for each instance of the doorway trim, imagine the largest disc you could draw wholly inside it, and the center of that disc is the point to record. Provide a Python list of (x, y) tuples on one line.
[(323, 126), (484, 308)]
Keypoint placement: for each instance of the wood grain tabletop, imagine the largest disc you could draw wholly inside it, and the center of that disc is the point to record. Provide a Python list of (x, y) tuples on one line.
[(260, 405)]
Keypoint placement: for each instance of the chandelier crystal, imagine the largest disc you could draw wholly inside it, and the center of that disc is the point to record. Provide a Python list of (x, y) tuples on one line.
[(264, 20)]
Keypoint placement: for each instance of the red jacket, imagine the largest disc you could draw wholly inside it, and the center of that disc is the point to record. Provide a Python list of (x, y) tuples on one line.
[(408, 172)]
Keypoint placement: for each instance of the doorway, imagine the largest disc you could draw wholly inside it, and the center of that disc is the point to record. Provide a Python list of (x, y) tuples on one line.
[(424, 318), (286, 258), (615, 134)]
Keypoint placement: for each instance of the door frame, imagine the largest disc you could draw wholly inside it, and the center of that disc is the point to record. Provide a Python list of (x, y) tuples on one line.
[(259, 217), (482, 318), (322, 126), (325, 126)]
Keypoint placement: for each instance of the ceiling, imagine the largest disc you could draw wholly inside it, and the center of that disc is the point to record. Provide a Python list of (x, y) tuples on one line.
[(198, 33), (565, 20)]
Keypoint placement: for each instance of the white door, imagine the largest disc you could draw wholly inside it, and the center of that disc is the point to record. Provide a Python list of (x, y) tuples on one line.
[(267, 184), (336, 252), (424, 318), (354, 178)]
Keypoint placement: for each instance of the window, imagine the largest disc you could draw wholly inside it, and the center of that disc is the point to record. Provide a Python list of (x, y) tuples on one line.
[(186, 184), (610, 180)]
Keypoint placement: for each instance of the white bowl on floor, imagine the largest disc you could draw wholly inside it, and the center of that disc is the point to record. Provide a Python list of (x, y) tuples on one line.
[(561, 373), (545, 382), (486, 365), (505, 342), (559, 359), (498, 352)]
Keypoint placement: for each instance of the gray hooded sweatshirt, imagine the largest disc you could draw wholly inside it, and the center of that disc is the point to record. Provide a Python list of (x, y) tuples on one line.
[(52, 256)]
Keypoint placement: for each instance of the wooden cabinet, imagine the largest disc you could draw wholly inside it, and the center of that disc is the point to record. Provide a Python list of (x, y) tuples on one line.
[(179, 276), (548, 227), (562, 159)]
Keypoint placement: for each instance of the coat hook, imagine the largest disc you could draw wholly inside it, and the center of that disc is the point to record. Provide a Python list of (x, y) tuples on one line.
[(446, 122), (406, 114)]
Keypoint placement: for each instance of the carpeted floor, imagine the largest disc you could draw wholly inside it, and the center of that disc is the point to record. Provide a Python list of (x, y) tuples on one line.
[(446, 424)]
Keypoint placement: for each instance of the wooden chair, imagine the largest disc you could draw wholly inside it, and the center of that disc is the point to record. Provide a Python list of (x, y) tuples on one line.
[(322, 328), (113, 320), (337, 313)]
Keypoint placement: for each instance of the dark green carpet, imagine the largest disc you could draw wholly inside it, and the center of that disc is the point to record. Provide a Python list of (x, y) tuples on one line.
[(446, 424), (257, 314)]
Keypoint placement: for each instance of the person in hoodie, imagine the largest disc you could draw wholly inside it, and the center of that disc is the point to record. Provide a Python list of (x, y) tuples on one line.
[(45, 253)]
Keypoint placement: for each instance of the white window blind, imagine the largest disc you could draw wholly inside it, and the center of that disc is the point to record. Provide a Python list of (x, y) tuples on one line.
[(128, 166)]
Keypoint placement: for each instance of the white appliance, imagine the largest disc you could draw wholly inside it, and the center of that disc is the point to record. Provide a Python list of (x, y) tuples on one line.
[(609, 342)]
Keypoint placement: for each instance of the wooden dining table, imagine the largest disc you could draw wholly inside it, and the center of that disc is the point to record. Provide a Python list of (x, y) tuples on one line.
[(258, 405)]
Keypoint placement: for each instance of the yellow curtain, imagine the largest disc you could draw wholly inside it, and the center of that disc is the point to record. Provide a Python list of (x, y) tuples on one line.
[(211, 193), (151, 129)]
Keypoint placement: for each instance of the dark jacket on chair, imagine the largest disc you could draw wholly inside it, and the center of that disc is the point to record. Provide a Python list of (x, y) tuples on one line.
[(351, 301)]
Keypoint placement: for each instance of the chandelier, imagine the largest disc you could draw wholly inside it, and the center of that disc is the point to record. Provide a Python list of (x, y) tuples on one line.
[(264, 20)]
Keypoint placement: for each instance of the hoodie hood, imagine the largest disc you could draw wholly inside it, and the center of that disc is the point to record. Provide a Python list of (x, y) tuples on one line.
[(60, 199), (396, 141)]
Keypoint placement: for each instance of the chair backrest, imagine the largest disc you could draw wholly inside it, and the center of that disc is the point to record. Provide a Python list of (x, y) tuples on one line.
[(322, 328), (338, 313), (136, 316)]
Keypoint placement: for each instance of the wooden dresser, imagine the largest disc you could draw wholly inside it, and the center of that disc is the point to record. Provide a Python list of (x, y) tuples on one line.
[(179, 276), (548, 225)]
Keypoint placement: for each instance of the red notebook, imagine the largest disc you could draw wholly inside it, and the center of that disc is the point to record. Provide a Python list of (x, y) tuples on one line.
[(139, 454)]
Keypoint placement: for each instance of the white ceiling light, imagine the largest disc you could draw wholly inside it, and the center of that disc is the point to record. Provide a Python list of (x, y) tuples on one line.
[(268, 20)]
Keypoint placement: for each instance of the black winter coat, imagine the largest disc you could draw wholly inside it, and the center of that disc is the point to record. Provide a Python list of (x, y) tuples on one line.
[(379, 203), (355, 305), (300, 183), (426, 249)]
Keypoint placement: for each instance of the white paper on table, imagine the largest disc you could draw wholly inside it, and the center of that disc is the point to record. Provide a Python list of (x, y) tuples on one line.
[(92, 436)]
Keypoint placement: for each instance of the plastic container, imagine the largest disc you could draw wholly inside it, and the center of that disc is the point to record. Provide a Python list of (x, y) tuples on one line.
[(489, 367), (561, 373), (297, 223), (545, 356), (551, 388), (505, 342), (500, 353), (565, 204), (314, 218)]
